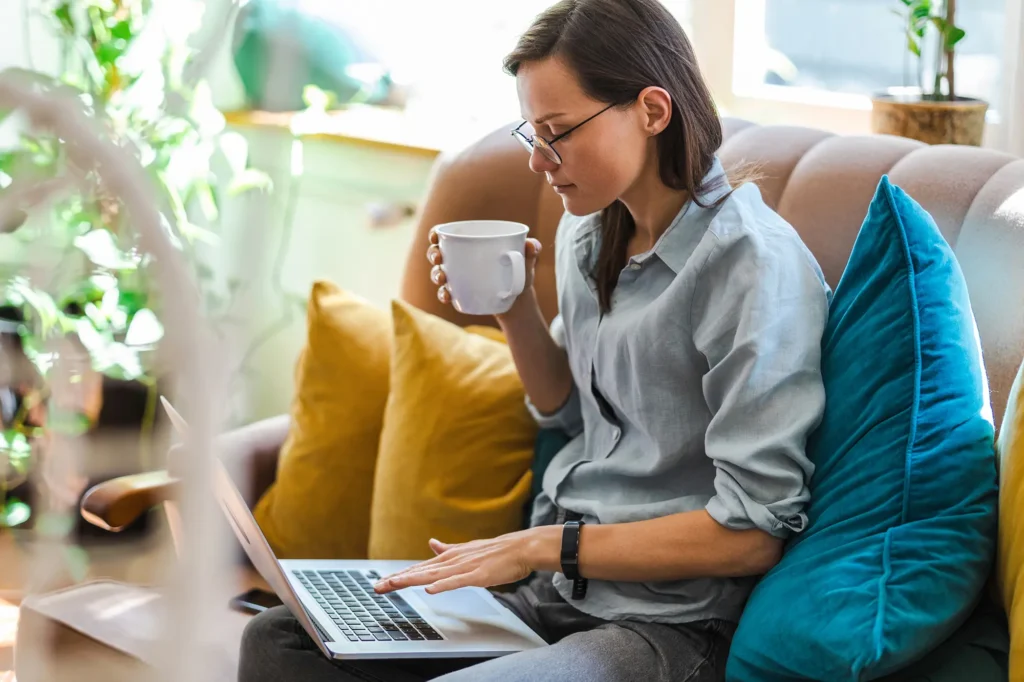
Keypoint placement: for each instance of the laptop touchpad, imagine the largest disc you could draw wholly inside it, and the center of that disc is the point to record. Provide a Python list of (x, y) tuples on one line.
[(460, 602)]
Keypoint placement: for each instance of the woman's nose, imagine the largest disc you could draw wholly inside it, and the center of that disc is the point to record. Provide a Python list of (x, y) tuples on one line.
[(540, 163)]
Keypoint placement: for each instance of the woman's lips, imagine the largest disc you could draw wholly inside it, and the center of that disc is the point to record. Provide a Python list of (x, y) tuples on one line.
[(562, 189)]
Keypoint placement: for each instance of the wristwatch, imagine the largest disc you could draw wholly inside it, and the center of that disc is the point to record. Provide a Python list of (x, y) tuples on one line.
[(570, 557)]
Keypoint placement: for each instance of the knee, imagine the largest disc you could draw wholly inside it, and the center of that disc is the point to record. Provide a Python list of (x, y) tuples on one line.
[(265, 641)]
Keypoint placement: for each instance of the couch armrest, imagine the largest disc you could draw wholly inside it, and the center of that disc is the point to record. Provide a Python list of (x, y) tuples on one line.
[(114, 504), (249, 452)]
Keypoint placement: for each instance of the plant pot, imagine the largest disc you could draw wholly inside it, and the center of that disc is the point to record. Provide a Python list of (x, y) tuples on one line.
[(959, 121)]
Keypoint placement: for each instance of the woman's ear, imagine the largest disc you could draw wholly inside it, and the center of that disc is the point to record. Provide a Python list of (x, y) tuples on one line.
[(655, 107)]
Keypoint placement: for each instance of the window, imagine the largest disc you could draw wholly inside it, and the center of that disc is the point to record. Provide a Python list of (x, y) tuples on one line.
[(449, 52), (816, 62), (855, 46)]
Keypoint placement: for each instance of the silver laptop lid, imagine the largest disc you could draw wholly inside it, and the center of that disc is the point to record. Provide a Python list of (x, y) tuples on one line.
[(248, 532)]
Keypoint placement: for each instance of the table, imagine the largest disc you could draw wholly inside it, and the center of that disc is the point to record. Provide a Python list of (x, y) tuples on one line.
[(71, 655)]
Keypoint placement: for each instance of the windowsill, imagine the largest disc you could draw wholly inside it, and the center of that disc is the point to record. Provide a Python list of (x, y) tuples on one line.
[(378, 127), (823, 99)]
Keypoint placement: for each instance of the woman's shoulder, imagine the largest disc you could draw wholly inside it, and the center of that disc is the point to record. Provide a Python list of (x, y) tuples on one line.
[(748, 229)]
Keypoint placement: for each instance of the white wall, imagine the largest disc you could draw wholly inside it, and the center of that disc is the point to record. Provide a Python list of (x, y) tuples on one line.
[(20, 32)]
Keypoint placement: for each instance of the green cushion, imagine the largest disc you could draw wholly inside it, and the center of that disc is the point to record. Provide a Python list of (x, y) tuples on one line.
[(323, 54)]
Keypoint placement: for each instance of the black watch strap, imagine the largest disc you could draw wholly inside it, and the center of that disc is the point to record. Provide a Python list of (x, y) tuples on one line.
[(570, 557)]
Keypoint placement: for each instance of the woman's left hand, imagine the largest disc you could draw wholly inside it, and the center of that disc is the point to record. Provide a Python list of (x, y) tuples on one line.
[(481, 563)]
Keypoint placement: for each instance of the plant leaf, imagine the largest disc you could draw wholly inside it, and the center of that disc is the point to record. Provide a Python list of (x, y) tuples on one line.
[(125, 364), (194, 233), (248, 180), (235, 149), (20, 292), (14, 513), (953, 36), (100, 248), (144, 330), (16, 450), (207, 200), (913, 45), (15, 443)]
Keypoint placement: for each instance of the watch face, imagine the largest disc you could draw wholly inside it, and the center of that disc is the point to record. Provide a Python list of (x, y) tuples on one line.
[(570, 549)]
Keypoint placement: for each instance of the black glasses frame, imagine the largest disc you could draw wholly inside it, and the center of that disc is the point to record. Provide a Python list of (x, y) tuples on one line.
[(529, 141)]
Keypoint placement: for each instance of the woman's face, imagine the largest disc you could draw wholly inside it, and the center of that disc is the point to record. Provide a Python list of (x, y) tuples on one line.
[(602, 159)]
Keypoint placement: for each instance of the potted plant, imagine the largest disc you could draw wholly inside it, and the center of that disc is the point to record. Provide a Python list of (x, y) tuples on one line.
[(935, 115), (77, 305)]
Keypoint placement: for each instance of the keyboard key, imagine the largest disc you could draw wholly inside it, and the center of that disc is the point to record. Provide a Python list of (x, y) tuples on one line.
[(415, 636), (352, 638), (366, 638), (373, 575), (382, 637), (398, 636), (432, 635)]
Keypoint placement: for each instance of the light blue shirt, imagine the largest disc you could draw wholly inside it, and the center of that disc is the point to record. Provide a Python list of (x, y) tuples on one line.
[(709, 362)]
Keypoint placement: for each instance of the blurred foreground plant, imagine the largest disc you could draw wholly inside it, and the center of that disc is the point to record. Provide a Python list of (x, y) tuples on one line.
[(127, 64)]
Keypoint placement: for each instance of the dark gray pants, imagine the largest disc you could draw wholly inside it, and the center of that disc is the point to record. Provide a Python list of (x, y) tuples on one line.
[(583, 649)]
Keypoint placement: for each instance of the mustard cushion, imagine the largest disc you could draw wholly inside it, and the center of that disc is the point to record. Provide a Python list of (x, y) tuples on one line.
[(319, 506), (1011, 521), (455, 452)]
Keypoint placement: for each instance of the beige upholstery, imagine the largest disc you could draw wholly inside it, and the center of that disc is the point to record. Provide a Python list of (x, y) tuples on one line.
[(821, 183)]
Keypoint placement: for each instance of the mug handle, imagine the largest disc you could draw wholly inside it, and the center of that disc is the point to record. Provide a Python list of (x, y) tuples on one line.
[(518, 263)]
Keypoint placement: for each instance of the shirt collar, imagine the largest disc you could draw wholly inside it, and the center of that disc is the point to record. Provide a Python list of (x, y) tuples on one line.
[(675, 246)]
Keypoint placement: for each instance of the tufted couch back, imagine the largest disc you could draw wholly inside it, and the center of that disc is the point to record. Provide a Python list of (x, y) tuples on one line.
[(820, 182)]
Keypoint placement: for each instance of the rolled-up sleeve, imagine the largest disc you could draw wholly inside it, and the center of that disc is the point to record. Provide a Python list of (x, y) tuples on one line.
[(568, 417), (758, 315)]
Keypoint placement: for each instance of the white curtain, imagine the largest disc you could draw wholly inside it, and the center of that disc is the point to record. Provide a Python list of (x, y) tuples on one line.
[(1011, 107)]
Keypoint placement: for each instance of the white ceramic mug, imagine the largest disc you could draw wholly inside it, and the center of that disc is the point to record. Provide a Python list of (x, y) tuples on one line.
[(485, 264)]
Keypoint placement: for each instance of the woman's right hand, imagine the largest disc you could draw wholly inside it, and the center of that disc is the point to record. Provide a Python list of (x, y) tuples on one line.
[(437, 275)]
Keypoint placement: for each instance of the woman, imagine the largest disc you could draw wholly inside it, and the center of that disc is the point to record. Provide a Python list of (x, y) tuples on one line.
[(685, 361)]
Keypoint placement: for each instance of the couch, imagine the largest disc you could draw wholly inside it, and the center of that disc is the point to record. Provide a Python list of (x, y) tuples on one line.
[(820, 182)]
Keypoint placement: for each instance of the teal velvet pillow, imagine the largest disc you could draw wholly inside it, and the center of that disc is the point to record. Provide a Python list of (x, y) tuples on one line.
[(902, 518), (978, 652)]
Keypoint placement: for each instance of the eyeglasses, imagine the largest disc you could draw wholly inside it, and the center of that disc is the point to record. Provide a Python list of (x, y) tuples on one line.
[(545, 146)]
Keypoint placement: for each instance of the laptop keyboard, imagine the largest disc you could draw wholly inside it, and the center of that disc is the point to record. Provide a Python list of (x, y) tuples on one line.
[(362, 614)]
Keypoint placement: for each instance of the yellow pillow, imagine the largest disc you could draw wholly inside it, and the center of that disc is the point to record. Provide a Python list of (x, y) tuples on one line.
[(1011, 522), (319, 506), (455, 452)]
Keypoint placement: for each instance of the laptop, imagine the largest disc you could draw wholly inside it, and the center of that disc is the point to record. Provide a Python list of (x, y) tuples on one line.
[(335, 602)]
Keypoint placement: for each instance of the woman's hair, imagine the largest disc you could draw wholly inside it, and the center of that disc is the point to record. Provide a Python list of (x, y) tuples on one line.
[(617, 48)]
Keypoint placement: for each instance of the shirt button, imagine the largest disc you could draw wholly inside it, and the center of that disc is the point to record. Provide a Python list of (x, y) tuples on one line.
[(616, 434), (634, 266)]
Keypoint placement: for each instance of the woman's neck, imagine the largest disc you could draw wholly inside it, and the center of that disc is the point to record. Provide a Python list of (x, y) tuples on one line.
[(653, 205)]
